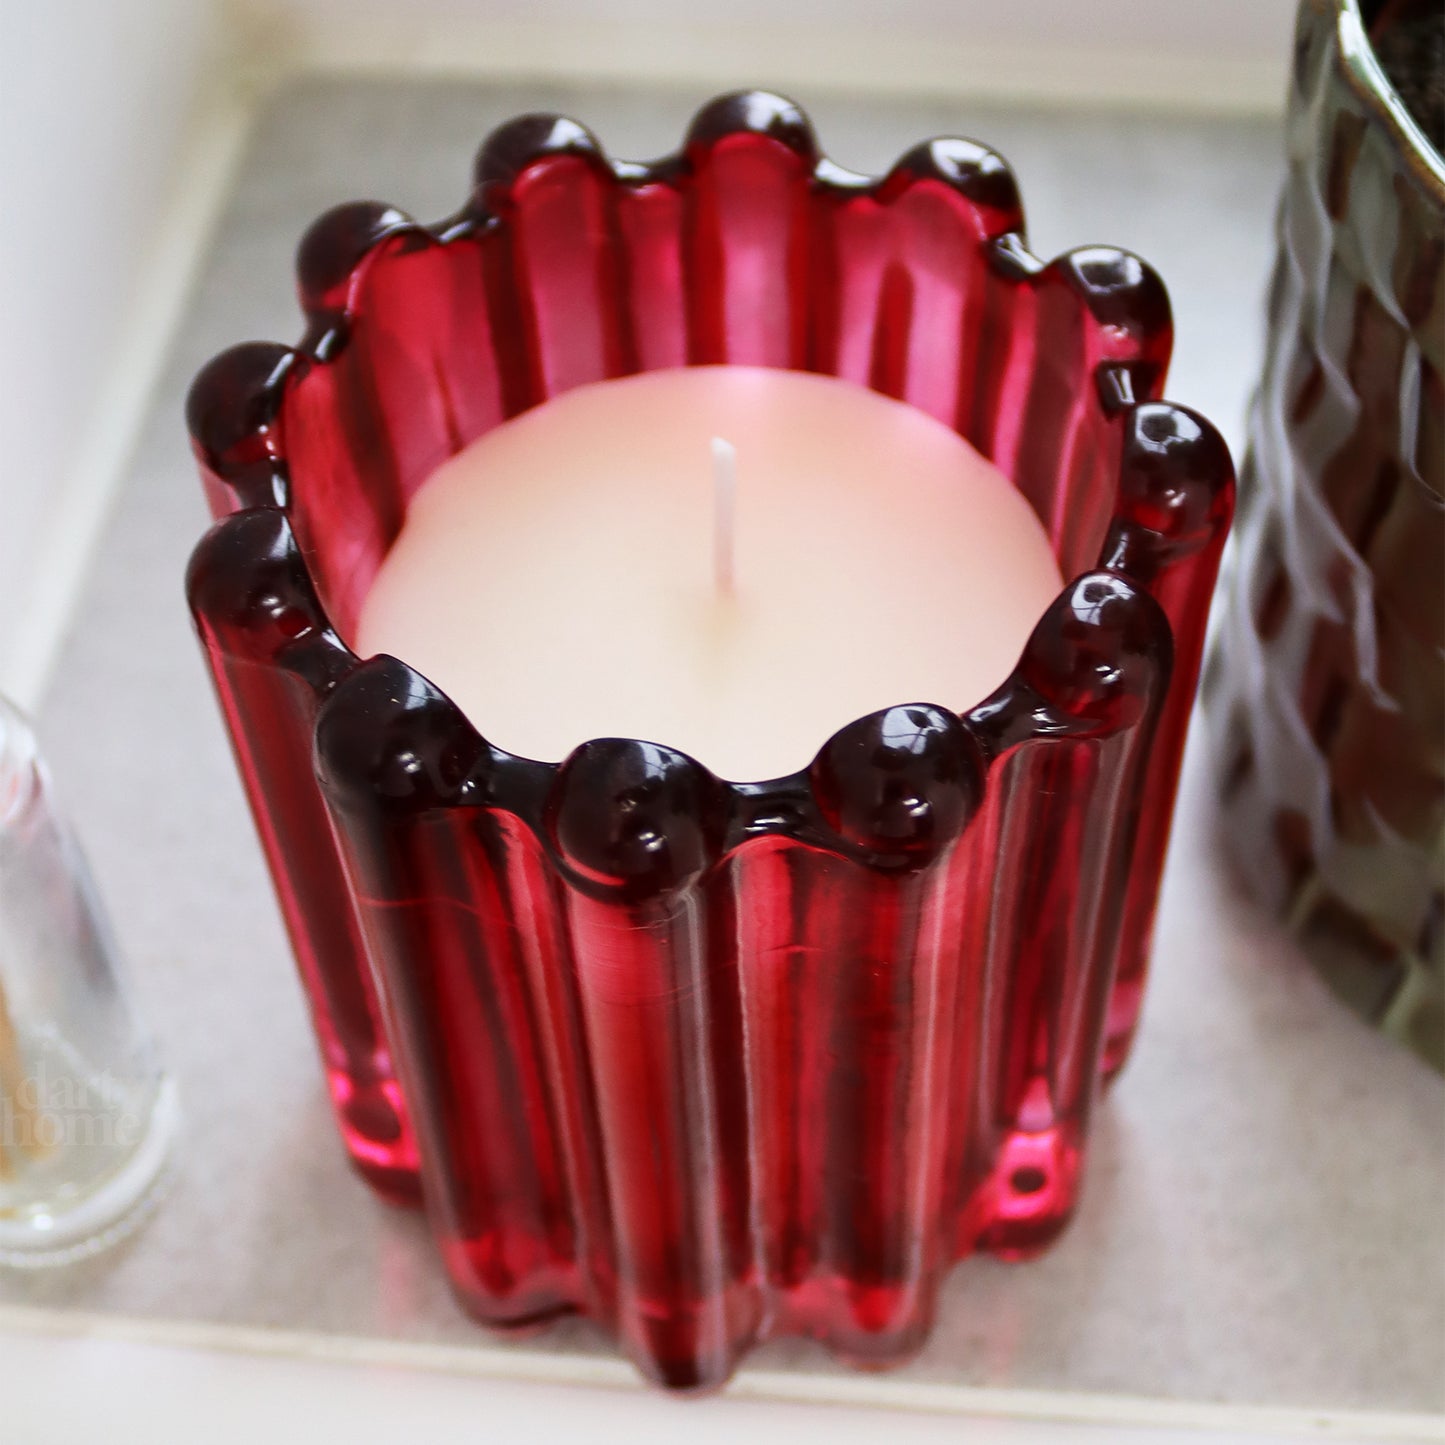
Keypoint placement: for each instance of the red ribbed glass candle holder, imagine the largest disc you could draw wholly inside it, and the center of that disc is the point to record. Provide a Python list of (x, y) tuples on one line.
[(713, 1061)]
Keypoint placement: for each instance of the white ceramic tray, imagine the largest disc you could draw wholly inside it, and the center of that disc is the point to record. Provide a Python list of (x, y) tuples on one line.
[(1262, 1235)]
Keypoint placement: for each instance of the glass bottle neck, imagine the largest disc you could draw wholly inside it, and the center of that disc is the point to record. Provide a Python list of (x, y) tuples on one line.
[(19, 763)]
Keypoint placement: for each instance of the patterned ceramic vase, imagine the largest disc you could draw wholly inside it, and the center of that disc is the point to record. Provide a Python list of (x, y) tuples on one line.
[(1327, 682)]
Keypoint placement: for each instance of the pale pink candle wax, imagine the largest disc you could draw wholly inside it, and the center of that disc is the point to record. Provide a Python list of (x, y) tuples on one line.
[(559, 577)]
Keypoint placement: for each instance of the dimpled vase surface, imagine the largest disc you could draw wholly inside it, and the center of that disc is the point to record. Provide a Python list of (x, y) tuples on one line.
[(713, 1061), (1326, 689)]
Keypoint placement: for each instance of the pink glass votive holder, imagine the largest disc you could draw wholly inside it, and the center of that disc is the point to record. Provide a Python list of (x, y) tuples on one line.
[(713, 1061)]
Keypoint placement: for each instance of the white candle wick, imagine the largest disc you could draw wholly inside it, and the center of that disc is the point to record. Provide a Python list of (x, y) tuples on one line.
[(724, 515)]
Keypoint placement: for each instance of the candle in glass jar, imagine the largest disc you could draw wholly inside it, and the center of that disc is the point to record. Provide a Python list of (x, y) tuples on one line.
[(734, 561)]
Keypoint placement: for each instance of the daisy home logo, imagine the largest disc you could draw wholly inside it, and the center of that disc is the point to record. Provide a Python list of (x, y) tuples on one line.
[(49, 1109)]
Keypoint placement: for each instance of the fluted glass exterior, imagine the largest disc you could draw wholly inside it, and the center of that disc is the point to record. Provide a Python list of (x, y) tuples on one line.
[(713, 1060)]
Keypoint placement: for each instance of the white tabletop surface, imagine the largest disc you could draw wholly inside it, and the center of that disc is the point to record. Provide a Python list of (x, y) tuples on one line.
[(1261, 1241)]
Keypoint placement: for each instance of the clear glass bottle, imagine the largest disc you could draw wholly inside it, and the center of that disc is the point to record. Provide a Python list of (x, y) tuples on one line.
[(86, 1113)]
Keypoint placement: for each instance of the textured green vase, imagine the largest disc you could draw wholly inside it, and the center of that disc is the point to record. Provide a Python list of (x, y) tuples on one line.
[(1326, 686)]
